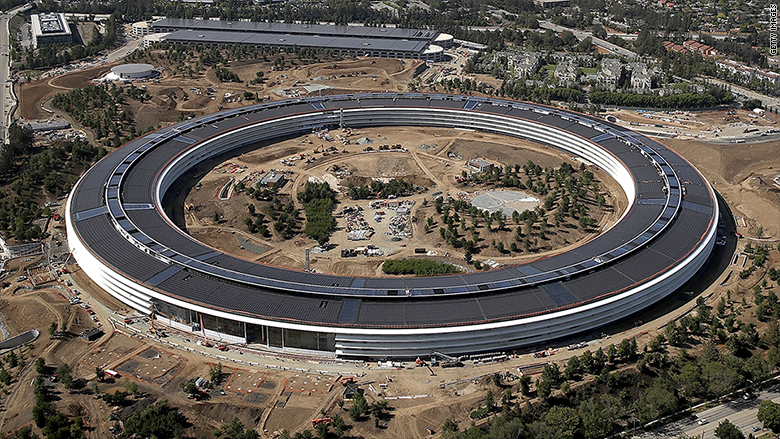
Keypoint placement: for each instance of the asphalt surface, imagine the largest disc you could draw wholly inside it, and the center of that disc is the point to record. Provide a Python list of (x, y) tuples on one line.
[(6, 95), (740, 412), (581, 35)]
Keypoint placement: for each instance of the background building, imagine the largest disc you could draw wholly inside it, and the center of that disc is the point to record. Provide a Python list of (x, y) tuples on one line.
[(379, 42), (50, 28), (134, 71)]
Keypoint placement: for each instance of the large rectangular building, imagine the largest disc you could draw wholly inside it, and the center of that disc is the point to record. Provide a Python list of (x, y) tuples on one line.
[(50, 28), (422, 44)]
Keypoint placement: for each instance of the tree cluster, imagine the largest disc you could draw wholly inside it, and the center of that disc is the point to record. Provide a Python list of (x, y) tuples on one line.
[(29, 173), (599, 393), (318, 200), (417, 267), (101, 108), (396, 187), (710, 98)]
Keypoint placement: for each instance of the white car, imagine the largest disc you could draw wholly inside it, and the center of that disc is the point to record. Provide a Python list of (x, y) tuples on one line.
[(703, 421)]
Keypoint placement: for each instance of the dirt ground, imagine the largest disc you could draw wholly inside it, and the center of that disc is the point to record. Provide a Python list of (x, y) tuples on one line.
[(417, 399), (742, 173), (173, 93), (428, 162)]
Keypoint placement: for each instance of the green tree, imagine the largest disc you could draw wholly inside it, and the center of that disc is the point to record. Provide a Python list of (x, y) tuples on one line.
[(525, 385), (658, 401), (543, 389), (727, 430), (131, 386), (769, 414), (190, 388), (100, 374), (323, 428), (564, 419), (215, 373), (359, 406), (12, 359), (235, 430), (158, 420), (66, 376), (594, 422), (40, 366)]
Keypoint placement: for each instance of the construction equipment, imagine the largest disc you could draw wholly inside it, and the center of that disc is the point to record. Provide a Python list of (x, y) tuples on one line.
[(316, 422), (346, 380), (445, 360), (420, 363)]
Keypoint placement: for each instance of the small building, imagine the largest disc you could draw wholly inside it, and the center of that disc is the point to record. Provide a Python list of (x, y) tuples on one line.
[(479, 165), (50, 28), (134, 71), (50, 125), (273, 178), (92, 334)]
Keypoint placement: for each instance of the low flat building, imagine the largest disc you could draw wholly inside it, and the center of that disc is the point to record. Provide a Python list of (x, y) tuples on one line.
[(40, 127), (479, 165), (273, 178), (50, 28), (383, 42), (92, 334)]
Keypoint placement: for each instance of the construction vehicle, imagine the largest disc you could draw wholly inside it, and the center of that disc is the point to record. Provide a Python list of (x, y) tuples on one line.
[(190, 207), (421, 363), (316, 422), (445, 360), (346, 380)]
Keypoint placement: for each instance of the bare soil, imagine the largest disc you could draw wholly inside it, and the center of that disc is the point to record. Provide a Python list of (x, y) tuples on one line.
[(431, 167), (741, 173)]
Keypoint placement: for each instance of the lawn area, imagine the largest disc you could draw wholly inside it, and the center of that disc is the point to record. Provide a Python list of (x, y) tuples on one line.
[(550, 67), (589, 71)]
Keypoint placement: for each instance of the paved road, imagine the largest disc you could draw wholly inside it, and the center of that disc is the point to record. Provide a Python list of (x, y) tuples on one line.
[(742, 413), (581, 35), (766, 100), (6, 97)]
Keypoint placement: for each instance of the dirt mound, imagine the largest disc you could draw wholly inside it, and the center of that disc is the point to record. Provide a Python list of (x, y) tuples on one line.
[(215, 411)]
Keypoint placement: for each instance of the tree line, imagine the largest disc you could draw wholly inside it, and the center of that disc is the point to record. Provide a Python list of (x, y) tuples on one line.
[(29, 173), (605, 391)]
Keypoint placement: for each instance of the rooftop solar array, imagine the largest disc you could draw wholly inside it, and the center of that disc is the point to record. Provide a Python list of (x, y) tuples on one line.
[(115, 215), (50, 23), (366, 44), (394, 33)]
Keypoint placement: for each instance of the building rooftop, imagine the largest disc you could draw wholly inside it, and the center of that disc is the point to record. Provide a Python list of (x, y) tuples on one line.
[(264, 39), (301, 29), (50, 24)]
